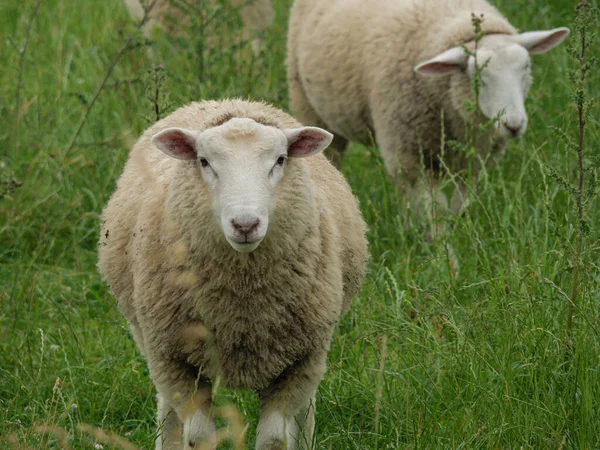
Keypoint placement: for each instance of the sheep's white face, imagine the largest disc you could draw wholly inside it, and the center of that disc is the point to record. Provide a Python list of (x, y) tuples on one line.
[(506, 74), (241, 163), (504, 85)]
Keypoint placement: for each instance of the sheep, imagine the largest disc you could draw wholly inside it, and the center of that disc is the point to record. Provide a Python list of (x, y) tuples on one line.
[(256, 15), (232, 252), (397, 70)]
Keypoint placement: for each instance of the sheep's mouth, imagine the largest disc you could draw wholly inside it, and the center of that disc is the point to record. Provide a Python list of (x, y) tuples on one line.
[(245, 245), (245, 239)]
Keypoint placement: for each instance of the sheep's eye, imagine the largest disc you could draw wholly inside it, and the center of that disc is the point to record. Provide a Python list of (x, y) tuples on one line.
[(204, 162), (281, 160)]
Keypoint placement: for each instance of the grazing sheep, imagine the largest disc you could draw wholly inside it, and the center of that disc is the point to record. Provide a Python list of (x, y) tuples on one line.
[(397, 70), (233, 252), (256, 15)]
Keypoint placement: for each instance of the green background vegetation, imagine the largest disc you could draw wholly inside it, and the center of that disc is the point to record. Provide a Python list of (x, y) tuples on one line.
[(478, 360)]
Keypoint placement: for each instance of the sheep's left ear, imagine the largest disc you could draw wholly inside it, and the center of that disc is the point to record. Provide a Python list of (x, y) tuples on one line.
[(446, 63), (542, 41), (178, 143), (306, 141)]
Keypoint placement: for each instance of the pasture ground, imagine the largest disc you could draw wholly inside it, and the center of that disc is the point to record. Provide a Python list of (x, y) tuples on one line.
[(478, 360)]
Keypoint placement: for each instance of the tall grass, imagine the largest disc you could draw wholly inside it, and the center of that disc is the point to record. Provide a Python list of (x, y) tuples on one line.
[(423, 359)]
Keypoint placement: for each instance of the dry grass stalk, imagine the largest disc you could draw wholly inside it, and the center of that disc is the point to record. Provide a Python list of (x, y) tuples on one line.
[(106, 437), (14, 444), (60, 434)]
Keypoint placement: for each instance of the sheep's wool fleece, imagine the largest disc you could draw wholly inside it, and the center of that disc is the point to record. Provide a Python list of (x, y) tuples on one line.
[(351, 69), (190, 299)]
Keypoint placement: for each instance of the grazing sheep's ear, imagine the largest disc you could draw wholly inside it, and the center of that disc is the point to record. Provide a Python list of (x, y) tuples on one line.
[(306, 141), (542, 41), (177, 143), (451, 61)]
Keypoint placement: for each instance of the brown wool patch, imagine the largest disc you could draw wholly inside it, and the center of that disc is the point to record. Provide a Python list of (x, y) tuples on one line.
[(220, 120), (186, 279), (145, 170), (198, 401), (179, 251), (196, 332)]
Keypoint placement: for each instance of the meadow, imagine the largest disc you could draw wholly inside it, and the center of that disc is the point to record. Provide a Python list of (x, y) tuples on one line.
[(497, 356)]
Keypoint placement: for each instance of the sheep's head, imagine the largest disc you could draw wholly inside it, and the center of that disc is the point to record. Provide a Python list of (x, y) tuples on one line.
[(241, 162), (505, 77)]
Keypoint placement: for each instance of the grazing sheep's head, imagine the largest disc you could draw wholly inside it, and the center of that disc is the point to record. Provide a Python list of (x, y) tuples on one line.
[(241, 163), (505, 78)]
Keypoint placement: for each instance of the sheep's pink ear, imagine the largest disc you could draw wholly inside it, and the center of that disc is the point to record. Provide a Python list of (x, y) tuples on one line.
[(307, 141), (451, 61), (177, 143), (542, 41)]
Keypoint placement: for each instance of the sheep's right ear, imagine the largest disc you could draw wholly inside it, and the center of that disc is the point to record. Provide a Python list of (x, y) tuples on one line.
[(177, 143), (450, 61), (307, 141), (542, 41)]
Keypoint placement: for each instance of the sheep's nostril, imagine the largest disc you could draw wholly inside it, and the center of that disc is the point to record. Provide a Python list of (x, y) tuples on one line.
[(191, 444), (514, 130), (245, 227)]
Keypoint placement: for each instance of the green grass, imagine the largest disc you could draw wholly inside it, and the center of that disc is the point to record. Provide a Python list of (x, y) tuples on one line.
[(478, 360)]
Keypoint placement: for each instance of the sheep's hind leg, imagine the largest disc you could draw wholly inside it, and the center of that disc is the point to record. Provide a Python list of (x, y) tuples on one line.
[(306, 114), (337, 151), (287, 417)]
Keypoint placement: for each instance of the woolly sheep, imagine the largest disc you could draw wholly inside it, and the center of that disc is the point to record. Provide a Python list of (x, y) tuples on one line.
[(256, 15), (397, 70), (233, 254)]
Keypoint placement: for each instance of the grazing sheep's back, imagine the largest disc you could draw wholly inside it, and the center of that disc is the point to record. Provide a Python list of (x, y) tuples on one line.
[(354, 60)]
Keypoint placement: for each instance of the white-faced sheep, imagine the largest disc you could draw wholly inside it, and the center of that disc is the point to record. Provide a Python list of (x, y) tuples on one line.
[(256, 15), (397, 70), (224, 220)]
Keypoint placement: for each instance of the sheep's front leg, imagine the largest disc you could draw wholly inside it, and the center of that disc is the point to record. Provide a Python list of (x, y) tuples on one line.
[(429, 202), (287, 424), (287, 417), (170, 428), (460, 198), (184, 413), (199, 430)]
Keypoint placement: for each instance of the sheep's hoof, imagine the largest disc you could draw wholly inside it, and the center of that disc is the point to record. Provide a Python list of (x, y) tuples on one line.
[(275, 444), (204, 444)]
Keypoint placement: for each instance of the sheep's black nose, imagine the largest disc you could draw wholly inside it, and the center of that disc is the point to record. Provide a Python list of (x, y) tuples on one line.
[(514, 129), (246, 227)]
